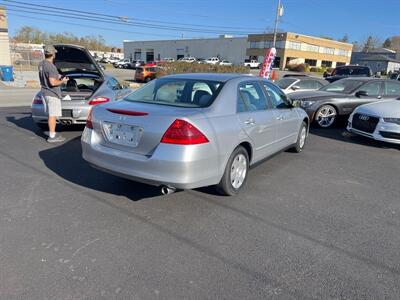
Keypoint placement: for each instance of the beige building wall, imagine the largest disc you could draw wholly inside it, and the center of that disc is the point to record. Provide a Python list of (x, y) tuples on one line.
[(5, 57), (293, 48)]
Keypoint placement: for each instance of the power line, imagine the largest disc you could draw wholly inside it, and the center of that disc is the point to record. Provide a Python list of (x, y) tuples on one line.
[(147, 21)]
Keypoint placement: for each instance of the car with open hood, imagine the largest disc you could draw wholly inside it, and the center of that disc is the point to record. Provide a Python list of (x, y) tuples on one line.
[(341, 97), (87, 86), (186, 131)]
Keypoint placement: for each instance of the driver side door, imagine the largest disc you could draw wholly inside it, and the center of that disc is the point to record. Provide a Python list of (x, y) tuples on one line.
[(374, 92)]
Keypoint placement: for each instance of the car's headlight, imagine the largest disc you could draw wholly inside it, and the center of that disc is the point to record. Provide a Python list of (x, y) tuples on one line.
[(392, 120), (306, 103)]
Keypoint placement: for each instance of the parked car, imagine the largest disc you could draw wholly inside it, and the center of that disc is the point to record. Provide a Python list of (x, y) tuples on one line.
[(395, 76), (191, 130), (121, 63), (292, 84), (348, 71), (145, 73), (169, 59), (379, 120), (252, 64), (113, 60), (87, 86), (225, 63), (212, 60), (187, 59), (341, 97)]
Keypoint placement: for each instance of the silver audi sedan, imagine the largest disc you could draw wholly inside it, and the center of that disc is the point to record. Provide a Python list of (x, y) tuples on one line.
[(192, 130), (87, 86)]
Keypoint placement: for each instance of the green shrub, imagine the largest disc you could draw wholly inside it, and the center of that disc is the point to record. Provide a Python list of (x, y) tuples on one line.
[(299, 68), (183, 67)]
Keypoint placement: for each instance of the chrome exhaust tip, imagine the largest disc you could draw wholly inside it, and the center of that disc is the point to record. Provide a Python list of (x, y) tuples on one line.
[(167, 190)]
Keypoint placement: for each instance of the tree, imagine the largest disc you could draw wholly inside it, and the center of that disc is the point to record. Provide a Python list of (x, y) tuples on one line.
[(344, 39), (356, 46), (27, 34), (387, 43), (372, 42)]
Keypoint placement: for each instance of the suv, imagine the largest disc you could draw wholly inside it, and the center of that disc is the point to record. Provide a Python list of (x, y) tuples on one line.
[(253, 64), (348, 71), (212, 60)]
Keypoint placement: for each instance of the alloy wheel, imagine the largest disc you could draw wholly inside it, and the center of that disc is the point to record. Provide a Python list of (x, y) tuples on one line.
[(325, 116), (238, 171)]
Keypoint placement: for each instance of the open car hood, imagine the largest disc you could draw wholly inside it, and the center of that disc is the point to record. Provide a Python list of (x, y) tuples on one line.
[(76, 59)]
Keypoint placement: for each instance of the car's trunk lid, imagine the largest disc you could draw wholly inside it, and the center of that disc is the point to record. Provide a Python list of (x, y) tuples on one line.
[(137, 127), (76, 59)]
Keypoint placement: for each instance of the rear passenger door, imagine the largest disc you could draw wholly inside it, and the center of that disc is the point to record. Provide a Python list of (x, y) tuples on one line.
[(287, 123), (391, 89), (256, 118)]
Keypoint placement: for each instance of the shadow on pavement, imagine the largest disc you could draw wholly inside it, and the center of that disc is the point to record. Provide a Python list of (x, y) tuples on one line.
[(66, 161), (339, 132)]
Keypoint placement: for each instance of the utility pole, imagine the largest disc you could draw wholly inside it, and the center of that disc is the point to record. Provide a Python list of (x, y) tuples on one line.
[(278, 14)]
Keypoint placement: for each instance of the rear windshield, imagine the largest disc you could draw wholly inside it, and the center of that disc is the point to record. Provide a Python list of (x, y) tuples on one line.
[(177, 92), (356, 71), (284, 83), (344, 86)]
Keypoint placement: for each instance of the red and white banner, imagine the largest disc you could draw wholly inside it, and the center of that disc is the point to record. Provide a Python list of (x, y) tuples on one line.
[(269, 58)]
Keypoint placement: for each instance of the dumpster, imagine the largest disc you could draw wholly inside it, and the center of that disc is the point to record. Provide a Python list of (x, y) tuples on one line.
[(6, 73)]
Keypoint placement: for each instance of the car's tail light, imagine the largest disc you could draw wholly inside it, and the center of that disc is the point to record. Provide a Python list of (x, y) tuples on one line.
[(89, 120), (99, 100), (37, 100), (127, 112), (183, 133)]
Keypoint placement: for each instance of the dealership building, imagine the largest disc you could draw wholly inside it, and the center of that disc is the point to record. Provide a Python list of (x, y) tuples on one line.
[(292, 48), (224, 47), (5, 57)]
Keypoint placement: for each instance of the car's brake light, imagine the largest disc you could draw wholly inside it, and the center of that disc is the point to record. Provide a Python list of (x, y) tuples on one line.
[(183, 133), (99, 100), (127, 112), (37, 100), (89, 120)]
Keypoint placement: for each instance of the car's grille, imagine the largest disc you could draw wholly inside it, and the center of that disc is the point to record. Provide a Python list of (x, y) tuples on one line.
[(364, 123), (67, 113), (390, 135)]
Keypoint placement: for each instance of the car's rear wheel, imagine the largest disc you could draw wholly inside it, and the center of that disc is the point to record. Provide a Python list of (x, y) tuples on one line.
[(235, 174), (301, 138), (325, 116)]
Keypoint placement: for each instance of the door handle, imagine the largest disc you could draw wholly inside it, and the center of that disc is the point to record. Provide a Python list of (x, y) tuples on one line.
[(279, 118), (379, 97), (250, 122)]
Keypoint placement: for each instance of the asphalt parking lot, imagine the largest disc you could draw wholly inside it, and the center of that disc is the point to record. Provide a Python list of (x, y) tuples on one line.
[(322, 224)]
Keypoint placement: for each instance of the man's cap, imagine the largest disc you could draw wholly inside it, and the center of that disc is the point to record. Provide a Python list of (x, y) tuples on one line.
[(49, 49)]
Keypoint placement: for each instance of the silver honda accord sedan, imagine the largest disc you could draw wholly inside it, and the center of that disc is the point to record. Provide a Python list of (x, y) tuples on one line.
[(192, 130), (87, 86)]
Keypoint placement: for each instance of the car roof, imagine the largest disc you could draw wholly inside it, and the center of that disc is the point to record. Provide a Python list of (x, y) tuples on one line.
[(208, 76), (362, 78)]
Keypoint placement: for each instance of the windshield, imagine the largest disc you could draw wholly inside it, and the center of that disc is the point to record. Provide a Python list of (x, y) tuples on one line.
[(284, 83), (343, 86), (356, 71), (178, 92)]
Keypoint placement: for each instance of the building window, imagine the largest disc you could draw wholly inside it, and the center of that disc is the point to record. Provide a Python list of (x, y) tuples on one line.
[(253, 45), (311, 62), (326, 63), (338, 64), (329, 51), (312, 48), (342, 52), (294, 45)]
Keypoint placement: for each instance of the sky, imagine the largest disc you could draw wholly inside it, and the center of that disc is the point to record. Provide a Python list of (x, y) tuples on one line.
[(335, 18)]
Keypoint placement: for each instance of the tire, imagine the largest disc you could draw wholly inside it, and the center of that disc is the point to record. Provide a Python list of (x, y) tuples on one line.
[(325, 116), (301, 138), (239, 159)]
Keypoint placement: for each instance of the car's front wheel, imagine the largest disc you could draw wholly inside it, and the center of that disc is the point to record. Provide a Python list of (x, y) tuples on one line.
[(325, 116), (235, 173), (301, 138)]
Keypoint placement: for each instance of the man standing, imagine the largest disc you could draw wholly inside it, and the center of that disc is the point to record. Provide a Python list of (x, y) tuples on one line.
[(50, 81)]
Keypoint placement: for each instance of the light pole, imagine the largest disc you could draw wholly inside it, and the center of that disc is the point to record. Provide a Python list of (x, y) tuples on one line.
[(278, 14)]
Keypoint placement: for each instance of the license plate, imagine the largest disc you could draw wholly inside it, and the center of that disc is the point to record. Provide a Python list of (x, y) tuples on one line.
[(67, 113), (122, 134)]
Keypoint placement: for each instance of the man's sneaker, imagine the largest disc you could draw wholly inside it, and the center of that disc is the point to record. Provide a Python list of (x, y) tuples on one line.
[(57, 139)]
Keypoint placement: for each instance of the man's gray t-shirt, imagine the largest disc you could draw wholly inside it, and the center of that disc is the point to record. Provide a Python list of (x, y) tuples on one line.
[(47, 70)]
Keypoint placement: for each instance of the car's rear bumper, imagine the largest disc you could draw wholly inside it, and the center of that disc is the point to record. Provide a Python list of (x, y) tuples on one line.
[(182, 167), (385, 132), (71, 114)]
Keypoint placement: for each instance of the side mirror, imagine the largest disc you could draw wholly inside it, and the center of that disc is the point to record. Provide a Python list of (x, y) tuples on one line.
[(289, 102), (361, 93), (295, 87)]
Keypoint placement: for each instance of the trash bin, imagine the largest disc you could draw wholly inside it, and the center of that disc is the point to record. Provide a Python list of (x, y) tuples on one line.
[(6, 73)]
